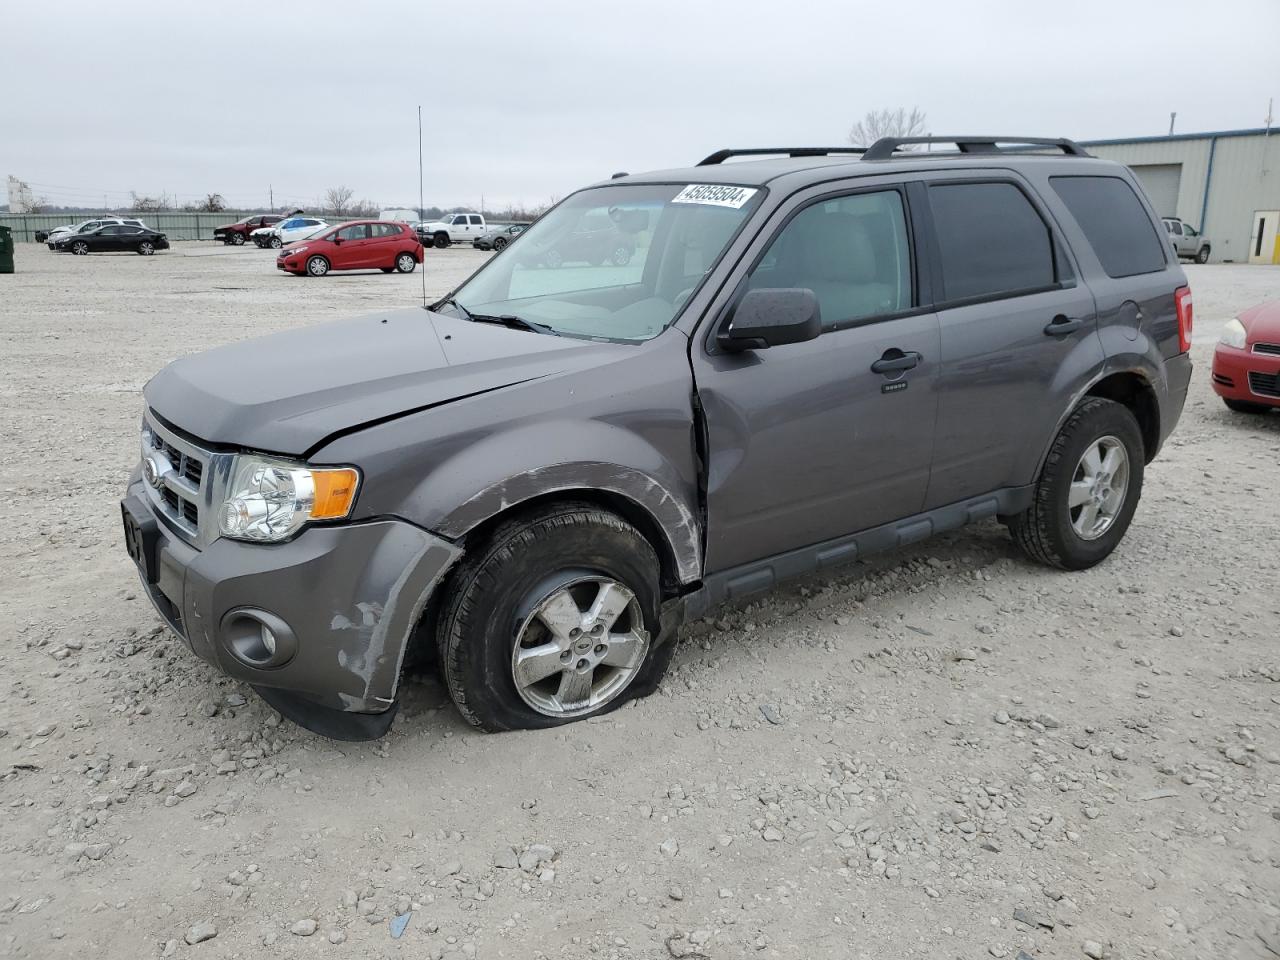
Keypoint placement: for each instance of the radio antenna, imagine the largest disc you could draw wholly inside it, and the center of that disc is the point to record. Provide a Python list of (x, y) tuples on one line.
[(421, 209)]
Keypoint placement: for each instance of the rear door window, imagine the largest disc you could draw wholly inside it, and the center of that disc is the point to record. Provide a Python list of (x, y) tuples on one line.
[(992, 242), (1114, 222)]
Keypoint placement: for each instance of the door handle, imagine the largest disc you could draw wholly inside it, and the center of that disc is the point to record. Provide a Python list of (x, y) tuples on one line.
[(1061, 325), (895, 361)]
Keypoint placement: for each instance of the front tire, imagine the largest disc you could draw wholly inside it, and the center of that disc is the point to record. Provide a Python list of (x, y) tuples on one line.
[(1202, 255), (1243, 406), (1088, 489), (275, 243), (405, 263), (499, 243), (80, 248), (441, 241), (236, 240), (146, 248), (317, 266), (552, 619)]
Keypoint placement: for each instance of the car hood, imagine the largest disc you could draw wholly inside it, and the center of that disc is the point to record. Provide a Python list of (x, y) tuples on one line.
[(1262, 322), (291, 392)]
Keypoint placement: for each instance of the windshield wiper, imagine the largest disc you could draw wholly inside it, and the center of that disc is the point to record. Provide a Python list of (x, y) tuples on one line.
[(512, 321), (506, 319)]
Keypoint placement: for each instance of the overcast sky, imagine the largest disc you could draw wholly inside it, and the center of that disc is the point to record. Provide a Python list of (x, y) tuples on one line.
[(525, 100)]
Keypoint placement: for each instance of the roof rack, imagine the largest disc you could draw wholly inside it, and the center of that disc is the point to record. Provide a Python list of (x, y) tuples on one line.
[(720, 156), (886, 147)]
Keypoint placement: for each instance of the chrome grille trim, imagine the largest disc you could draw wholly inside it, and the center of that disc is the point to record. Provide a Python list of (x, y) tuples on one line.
[(1272, 349), (184, 497)]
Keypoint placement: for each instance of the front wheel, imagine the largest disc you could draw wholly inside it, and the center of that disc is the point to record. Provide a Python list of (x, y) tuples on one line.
[(552, 619), (80, 248), (441, 241), (621, 257), (1202, 255), (237, 240), (276, 243), (146, 248), (405, 263), (499, 243), (1243, 406), (317, 266), (1088, 489)]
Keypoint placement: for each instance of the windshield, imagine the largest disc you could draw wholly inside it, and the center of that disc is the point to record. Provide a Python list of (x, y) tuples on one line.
[(615, 262)]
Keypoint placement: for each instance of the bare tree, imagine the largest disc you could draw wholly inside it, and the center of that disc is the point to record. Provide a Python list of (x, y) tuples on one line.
[(213, 203), (887, 123), (141, 204), (338, 199)]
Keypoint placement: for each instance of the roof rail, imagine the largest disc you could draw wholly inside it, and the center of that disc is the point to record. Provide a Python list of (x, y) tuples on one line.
[(720, 156), (886, 147)]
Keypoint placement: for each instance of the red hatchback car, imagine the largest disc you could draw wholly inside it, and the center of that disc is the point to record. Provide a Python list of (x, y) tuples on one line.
[(1246, 363), (357, 245)]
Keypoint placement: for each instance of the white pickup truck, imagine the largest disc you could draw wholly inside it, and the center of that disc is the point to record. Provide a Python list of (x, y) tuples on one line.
[(451, 228)]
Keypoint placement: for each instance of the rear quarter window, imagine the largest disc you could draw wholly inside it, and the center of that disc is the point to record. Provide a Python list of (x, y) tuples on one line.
[(1114, 222)]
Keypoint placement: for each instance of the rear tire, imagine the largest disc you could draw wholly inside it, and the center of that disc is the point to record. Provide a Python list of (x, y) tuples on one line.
[(1202, 255), (539, 564), (405, 263), (1049, 530), (1243, 406)]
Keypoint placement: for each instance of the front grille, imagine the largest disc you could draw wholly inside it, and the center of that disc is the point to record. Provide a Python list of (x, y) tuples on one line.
[(181, 466), (1270, 348), (1264, 384)]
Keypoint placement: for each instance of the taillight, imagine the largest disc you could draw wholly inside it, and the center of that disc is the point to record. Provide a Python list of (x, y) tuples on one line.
[(1182, 300)]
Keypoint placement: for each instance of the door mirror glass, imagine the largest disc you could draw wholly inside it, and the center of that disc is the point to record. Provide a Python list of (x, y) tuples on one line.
[(772, 317)]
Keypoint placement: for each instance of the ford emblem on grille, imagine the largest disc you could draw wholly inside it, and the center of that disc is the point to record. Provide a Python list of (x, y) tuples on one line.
[(154, 470)]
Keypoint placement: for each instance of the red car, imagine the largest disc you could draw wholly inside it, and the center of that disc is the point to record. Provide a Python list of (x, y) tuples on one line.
[(357, 245), (1246, 363)]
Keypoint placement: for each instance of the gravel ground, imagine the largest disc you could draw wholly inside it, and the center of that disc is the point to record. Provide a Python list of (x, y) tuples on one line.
[(945, 752)]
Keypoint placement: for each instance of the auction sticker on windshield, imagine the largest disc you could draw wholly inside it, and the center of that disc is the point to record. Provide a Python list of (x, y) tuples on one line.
[(715, 195)]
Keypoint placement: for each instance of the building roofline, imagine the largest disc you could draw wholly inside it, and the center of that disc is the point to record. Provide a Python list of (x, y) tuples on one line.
[(1210, 135)]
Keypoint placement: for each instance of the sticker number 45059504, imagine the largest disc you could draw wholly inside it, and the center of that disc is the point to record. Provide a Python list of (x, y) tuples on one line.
[(714, 194)]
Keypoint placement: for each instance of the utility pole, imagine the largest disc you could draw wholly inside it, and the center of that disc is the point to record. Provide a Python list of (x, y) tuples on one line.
[(421, 209), (1172, 117), (271, 197), (1270, 103)]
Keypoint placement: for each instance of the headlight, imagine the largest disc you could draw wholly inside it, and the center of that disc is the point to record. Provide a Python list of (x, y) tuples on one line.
[(1233, 334), (293, 250), (270, 500)]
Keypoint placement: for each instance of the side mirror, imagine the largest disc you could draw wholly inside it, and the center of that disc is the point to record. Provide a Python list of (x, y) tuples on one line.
[(771, 317)]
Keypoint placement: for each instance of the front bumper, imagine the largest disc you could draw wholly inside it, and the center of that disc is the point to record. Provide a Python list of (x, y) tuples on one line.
[(351, 597), (291, 264), (1231, 369)]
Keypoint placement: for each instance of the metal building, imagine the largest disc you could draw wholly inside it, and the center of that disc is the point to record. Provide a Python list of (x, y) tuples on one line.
[(1225, 184)]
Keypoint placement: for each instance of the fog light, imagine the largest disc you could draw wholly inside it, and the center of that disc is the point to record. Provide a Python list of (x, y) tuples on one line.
[(257, 638)]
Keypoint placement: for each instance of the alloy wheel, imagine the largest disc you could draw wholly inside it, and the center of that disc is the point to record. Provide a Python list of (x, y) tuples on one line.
[(580, 647), (1098, 487), (80, 248)]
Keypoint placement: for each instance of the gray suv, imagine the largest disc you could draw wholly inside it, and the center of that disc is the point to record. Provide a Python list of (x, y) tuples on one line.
[(809, 358)]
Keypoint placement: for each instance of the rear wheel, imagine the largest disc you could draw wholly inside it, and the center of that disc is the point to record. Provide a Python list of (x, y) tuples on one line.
[(80, 248), (552, 620), (237, 240), (441, 241), (1243, 406), (146, 248), (317, 266), (405, 263), (1088, 489)]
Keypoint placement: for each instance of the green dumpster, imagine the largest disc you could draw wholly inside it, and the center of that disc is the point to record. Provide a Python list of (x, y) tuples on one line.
[(6, 250)]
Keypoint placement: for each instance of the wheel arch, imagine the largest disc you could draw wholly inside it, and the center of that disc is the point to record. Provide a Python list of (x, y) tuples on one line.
[(1132, 390)]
